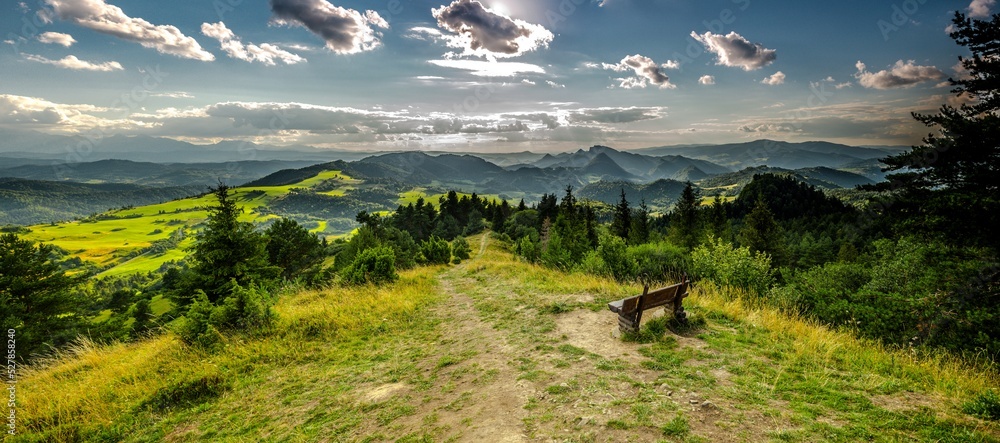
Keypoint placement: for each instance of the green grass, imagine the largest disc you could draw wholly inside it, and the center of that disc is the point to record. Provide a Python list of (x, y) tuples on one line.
[(106, 243), (469, 352)]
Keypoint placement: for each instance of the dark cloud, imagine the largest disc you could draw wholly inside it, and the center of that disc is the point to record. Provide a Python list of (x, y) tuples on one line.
[(645, 69), (346, 31), (483, 32), (614, 115)]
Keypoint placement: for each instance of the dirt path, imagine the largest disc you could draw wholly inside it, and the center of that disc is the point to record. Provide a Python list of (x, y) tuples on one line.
[(474, 395)]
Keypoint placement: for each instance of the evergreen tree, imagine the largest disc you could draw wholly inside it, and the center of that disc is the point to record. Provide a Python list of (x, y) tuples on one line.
[(718, 218), (950, 185), (37, 298), (761, 233), (684, 218), (622, 221), (229, 250), (291, 247), (639, 230)]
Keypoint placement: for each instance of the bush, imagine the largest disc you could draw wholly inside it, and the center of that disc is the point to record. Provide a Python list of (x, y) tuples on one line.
[(460, 248), (245, 309), (724, 264), (528, 249), (592, 264), (375, 265), (436, 251), (618, 263), (658, 262)]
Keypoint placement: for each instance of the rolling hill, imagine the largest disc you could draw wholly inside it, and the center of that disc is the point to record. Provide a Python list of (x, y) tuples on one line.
[(151, 174), (773, 153)]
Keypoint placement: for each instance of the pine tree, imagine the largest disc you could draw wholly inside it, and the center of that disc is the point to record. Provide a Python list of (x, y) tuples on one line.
[(718, 218), (950, 185), (684, 218), (622, 221), (292, 247), (639, 231), (761, 233), (37, 299), (229, 250)]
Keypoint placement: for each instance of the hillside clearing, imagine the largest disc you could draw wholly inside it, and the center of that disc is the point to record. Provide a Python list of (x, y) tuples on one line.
[(497, 349)]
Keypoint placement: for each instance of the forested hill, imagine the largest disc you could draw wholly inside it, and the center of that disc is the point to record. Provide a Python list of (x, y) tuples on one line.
[(27, 202)]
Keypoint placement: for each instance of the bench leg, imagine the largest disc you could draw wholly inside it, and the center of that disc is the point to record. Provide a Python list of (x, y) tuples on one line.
[(679, 313), (629, 323)]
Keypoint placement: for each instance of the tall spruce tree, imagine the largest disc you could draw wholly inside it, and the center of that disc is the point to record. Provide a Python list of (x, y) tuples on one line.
[(684, 219), (37, 299), (639, 230), (761, 232), (950, 185), (622, 221), (229, 250)]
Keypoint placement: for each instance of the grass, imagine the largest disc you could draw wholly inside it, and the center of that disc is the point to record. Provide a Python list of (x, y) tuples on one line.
[(476, 351), (107, 243)]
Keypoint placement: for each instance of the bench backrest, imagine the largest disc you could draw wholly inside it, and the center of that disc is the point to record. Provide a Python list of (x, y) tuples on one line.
[(656, 298)]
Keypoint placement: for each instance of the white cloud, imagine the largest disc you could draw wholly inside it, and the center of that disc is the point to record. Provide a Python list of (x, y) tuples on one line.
[(484, 32), (777, 78), (735, 51), (178, 94), (843, 85), (71, 62), (108, 19), (266, 53), (706, 80), (20, 111), (900, 75), (490, 68), (554, 84), (981, 8), (528, 82), (346, 31), (56, 38), (645, 69)]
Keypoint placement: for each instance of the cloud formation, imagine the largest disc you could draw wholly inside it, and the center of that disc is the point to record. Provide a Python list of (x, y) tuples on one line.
[(981, 8), (481, 31), (109, 19), (266, 53), (56, 38), (735, 51), (346, 31), (614, 115), (71, 62), (483, 68), (646, 72), (777, 78), (900, 75), (706, 80)]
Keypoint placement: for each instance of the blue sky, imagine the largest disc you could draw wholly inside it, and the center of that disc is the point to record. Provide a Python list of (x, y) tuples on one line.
[(491, 75)]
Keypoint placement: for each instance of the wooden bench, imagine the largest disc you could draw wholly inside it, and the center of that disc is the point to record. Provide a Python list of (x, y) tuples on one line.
[(630, 309)]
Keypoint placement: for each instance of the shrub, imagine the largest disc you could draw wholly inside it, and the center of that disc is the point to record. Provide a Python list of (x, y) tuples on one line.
[(724, 264), (436, 251), (617, 261), (658, 262), (592, 264), (460, 248), (528, 249), (375, 265)]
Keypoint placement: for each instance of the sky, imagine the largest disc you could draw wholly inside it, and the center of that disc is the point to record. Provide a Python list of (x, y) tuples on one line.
[(481, 76)]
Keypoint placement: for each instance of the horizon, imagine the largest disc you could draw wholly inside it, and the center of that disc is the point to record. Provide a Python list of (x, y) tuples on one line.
[(478, 76)]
